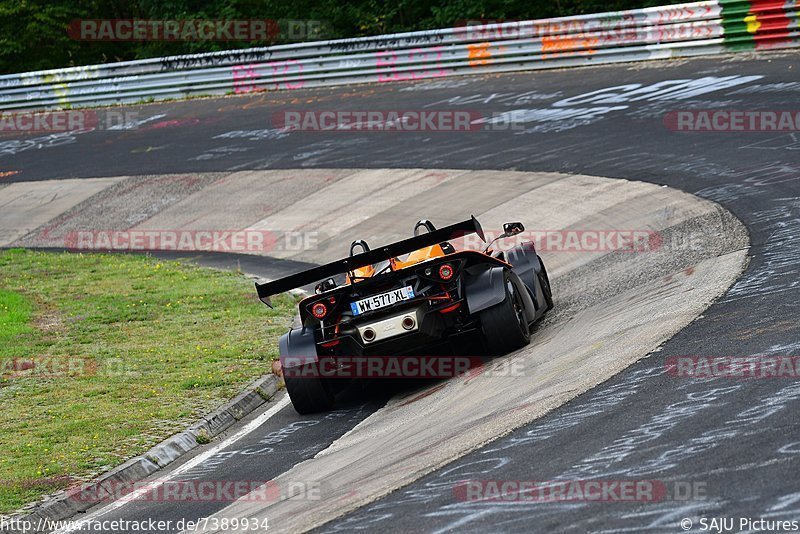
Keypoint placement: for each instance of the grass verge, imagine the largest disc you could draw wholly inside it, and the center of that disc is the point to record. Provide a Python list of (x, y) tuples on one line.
[(103, 356)]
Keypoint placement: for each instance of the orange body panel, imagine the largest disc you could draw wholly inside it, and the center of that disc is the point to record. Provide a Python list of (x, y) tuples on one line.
[(416, 257)]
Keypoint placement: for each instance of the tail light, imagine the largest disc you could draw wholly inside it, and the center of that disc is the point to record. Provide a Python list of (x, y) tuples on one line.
[(446, 271), (319, 310)]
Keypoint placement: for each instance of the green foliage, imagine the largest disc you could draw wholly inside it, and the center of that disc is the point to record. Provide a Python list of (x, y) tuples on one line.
[(15, 311), (33, 33)]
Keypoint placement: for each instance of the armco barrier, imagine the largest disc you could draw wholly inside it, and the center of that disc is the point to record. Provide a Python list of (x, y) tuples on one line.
[(699, 28)]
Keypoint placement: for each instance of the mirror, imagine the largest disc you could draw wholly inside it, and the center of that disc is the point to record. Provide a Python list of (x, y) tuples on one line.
[(509, 229), (513, 228), (325, 285)]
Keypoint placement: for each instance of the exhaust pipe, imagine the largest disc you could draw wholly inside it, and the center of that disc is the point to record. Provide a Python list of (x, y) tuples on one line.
[(406, 322), (368, 334)]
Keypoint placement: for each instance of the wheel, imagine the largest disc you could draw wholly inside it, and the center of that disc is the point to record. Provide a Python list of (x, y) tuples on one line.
[(307, 390), (504, 325), (544, 282)]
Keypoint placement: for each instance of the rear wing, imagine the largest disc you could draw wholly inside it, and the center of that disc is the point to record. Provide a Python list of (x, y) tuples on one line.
[(406, 246)]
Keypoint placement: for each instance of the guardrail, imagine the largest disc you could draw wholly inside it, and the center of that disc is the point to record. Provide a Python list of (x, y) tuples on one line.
[(698, 28)]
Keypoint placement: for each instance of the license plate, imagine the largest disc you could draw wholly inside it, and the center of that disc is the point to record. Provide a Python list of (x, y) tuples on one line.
[(376, 302)]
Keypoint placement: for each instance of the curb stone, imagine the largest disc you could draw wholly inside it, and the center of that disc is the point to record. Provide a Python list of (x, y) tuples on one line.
[(64, 504)]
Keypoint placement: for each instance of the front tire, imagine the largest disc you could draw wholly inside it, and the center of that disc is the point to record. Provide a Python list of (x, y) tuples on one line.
[(505, 325), (544, 283), (307, 390)]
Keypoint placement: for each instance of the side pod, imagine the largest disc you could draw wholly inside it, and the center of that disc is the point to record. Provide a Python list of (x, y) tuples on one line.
[(487, 289)]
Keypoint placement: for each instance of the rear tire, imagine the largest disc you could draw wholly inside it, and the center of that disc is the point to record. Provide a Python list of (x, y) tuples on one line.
[(505, 325), (308, 390)]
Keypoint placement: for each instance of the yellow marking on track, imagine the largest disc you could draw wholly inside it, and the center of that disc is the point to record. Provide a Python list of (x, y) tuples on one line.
[(148, 149)]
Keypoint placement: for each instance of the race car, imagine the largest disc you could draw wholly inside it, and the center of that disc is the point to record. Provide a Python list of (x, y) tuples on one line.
[(408, 298)]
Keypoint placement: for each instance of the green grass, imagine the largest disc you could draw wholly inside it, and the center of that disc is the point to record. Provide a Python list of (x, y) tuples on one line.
[(15, 313), (103, 356)]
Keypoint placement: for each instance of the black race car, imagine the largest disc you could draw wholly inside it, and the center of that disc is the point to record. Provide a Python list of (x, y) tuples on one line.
[(404, 300)]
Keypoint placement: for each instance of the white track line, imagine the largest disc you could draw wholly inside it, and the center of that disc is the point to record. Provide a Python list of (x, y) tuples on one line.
[(197, 460)]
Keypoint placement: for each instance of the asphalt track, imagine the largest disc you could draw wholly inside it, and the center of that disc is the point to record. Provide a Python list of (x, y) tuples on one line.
[(739, 439), (612, 308)]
